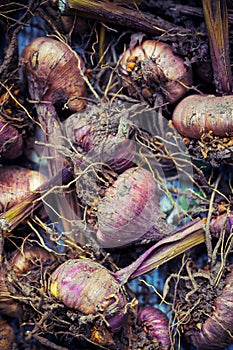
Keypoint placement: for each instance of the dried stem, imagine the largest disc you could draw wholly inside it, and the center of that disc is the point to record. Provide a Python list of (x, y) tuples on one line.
[(207, 229), (166, 249), (119, 15), (31, 202), (48, 343), (51, 127), (216, 17)]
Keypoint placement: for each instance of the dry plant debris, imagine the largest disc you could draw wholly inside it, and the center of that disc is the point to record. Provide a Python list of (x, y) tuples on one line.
[(90, 93)]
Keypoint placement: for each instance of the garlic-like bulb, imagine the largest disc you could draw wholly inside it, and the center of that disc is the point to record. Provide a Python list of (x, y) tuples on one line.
[(199, 114), (152, 69), (88, 287), (95, 133), (209, 324), (129, 210), (54, 73), (21, 261), (11, 141), (215, 331)]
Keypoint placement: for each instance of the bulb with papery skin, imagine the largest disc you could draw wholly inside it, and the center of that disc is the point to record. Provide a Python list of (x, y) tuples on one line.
[(129, 210), (152, 68), (155, 324), (21, 261), (54, 73), (214, 330), (88, 287), (95, 133), (196, 115)]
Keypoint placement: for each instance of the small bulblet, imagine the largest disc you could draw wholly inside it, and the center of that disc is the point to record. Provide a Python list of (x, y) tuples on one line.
[(199, 114), (152, 69), (54, 73), (90, 288), (130, 210), (155, 324)]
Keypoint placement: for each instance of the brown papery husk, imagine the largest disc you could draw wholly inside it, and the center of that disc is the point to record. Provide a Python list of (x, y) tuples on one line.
[(11, 141), (23, 260), (210, 324), (54, 73), (96, 133), (196, 115), (8, 305), (7, 336), (16, 182), (152, 69), (21, 263)]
